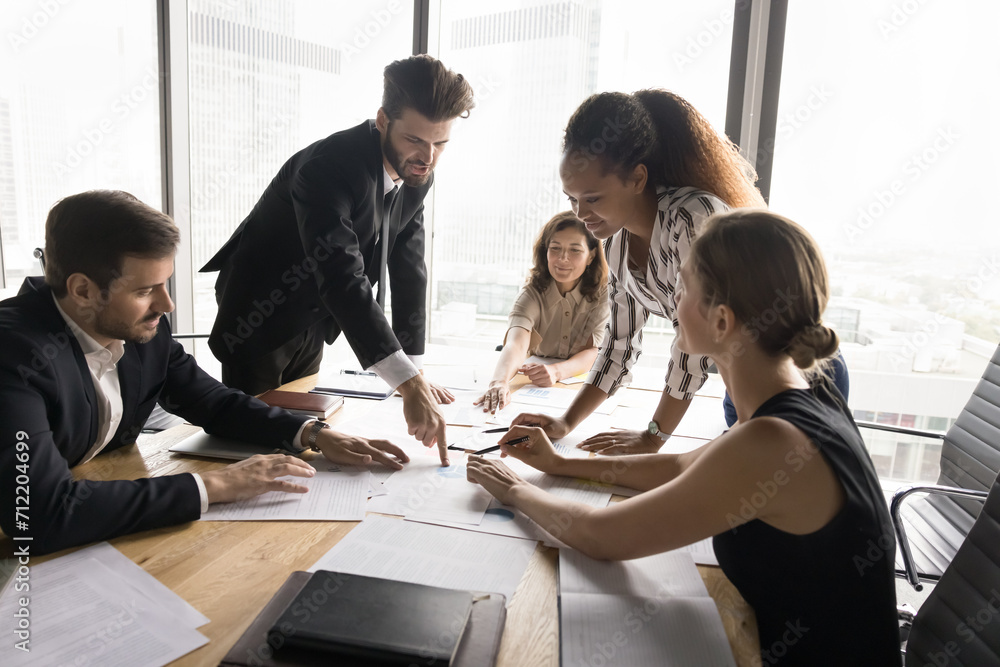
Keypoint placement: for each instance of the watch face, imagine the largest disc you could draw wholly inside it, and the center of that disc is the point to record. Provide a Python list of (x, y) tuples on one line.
[(654, 428)]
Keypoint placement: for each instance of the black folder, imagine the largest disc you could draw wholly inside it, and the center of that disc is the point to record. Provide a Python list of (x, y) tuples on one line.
[(258, 647)]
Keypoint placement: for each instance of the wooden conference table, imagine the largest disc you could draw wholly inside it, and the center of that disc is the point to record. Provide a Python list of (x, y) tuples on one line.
[(229, 570)]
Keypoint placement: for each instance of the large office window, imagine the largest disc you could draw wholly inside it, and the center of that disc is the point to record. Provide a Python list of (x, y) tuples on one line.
[(267, 78), (79, 109), (531, 63), (886, 152)]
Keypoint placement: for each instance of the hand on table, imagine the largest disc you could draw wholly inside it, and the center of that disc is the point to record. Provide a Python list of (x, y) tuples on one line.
[(423, 418), (355, 450), (495, 398), (554, 427), (254, 476), (611, 443), (440, 394), (540, 375), (493, 476)]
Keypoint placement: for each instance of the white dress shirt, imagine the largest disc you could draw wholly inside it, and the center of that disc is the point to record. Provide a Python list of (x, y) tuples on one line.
[(398, 367)]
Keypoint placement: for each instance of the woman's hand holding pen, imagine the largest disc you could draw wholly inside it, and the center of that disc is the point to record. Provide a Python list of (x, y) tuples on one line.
[(526, 443), (554, 427), (530, 445), (495, 398)]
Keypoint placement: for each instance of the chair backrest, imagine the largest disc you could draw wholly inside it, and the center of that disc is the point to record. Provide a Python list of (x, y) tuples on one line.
[(959, 623), (970, 455)]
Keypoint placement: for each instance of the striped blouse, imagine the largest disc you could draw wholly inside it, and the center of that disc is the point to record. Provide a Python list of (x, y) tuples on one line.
[(634, 295)]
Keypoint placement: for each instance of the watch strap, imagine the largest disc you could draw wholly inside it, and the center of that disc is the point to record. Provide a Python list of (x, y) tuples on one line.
[(314, 430)]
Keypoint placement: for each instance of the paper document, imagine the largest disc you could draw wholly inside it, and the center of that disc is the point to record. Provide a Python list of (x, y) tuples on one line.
[(426, 491), (431, 555), (334, 494), (555, 397), (96, 611), (644, 612)]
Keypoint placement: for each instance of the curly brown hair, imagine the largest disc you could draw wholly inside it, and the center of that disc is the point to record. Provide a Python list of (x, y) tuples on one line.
[(661, 130), (594, 276)]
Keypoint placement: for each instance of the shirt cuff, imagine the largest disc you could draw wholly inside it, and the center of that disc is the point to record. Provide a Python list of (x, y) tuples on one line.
[(202, 491), (417, 360), (297, 441), (395, 369)]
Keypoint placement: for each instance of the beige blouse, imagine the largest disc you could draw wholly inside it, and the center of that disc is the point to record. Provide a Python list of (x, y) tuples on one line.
[(560, 326)]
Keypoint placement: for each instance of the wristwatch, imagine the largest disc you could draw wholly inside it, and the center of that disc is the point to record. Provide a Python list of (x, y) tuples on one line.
[(314, 430), (654, 429)]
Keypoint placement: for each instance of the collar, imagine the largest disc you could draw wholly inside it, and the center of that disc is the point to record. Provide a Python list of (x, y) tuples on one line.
[(387, 183), (553, 296), (105, 357)]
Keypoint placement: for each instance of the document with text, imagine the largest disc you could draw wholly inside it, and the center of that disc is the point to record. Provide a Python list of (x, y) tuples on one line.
[(433, 555)]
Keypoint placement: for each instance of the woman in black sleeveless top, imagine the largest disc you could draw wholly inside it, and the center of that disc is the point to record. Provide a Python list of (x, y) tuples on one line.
[(790, 494)]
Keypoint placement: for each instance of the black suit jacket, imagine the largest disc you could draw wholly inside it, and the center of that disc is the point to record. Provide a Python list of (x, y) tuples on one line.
[(47, 399), (307, 253)]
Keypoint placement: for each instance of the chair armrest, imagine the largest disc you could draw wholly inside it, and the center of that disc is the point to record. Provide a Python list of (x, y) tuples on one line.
[(900, 429), (897, 522)]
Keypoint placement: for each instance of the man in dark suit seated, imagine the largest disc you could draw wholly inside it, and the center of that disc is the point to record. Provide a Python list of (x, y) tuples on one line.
[(87, 353), (341, 216)]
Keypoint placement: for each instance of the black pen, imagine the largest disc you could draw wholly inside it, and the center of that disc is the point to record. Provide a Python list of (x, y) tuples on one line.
[(353, 372), (515, 441), (499, 429)]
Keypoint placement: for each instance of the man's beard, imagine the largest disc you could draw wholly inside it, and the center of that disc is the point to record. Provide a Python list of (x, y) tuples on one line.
[(414, 181), (121, 331)]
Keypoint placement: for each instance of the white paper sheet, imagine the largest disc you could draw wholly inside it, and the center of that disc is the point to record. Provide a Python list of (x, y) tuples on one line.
[(431, 555), (426, 491), (555, 397), (130, 574), (623, 631), (703, 552), (82, 613), (644, 612), (334, 495), (671, 574)]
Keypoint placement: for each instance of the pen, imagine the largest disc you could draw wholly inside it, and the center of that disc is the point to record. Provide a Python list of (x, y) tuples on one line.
[(499, 429), (515, 441), (353, 372)]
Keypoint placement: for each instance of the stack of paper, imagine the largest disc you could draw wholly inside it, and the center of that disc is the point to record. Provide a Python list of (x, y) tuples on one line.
[(646, 612), (431, 555), (335, 494), (97, 607)]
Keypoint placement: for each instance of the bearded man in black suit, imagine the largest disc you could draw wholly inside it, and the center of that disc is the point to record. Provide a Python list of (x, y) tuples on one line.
[(341, 216)]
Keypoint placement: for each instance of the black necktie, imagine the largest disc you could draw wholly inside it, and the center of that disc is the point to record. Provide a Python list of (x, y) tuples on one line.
[(390, 197)]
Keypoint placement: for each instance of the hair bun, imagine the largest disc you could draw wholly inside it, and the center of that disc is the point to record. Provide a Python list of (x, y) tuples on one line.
[(813, 343)]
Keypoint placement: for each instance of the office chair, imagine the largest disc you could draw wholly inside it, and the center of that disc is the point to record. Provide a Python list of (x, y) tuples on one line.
[(936, 525), (959, 623)]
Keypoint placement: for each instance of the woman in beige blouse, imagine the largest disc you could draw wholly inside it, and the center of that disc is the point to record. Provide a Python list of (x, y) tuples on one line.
[(560, 314)]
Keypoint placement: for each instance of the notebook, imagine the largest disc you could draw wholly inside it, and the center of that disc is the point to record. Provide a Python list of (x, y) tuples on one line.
[(357, 384), (320, 406), (477, 647)]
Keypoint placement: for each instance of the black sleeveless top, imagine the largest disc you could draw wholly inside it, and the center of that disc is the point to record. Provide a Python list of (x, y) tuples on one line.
[(829, 597)]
